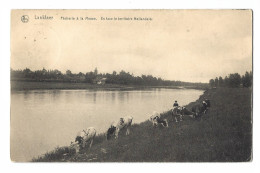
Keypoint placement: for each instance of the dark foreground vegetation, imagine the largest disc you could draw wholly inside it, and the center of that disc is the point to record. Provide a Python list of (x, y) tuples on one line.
[(40, 79), (224, 134)]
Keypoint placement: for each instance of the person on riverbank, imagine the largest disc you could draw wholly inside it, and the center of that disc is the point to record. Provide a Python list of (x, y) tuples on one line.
[(175, 104), (176, 111), (175, 107)]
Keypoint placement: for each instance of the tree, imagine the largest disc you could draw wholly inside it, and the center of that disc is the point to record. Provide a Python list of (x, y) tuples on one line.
[(89, 77), (80, 74), (212, 82), (122, 77), (27, 73), (96, 71), (247, 79), (226, 81), (220, 81), (114, 73), (216, 82), (68, 73), (251, 77), (234, 80)]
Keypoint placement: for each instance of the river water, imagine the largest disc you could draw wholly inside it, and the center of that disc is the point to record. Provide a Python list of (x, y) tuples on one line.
[(44, 119)]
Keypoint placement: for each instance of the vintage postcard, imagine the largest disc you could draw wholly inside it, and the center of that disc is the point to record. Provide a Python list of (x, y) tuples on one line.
[(131, 86)]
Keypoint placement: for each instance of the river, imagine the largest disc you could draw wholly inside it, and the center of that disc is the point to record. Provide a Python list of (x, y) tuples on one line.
[(44, 119)]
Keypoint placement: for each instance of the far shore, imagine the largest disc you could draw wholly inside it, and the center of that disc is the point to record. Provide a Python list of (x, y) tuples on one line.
[(35, 85)]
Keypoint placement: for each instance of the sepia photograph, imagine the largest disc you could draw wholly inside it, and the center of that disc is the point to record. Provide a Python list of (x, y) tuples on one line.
[(131, 85)]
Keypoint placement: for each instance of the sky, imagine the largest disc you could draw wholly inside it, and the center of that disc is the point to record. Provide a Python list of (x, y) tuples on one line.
[(185, 45)]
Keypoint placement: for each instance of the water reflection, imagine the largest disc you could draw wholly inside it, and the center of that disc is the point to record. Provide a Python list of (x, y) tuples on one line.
[(94, 97), (113, 97), (26, 95), (55, 94)]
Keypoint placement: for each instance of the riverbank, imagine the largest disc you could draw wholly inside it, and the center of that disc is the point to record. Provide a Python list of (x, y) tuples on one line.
[(32, 85), (224, 134)]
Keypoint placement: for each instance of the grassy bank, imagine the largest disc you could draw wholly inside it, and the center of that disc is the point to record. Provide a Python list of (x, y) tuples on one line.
[(223, 134), (33, 85)]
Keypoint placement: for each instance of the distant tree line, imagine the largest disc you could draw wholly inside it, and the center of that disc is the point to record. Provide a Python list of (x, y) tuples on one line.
[(124, 78), (233, 80)]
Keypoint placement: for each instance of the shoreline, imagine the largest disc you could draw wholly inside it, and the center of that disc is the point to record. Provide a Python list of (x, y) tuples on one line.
[(224, 134), (102, 134), (139, 116), (34, 85)]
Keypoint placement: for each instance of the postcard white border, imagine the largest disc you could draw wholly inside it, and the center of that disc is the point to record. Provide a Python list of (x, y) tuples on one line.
[(9, 166)]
